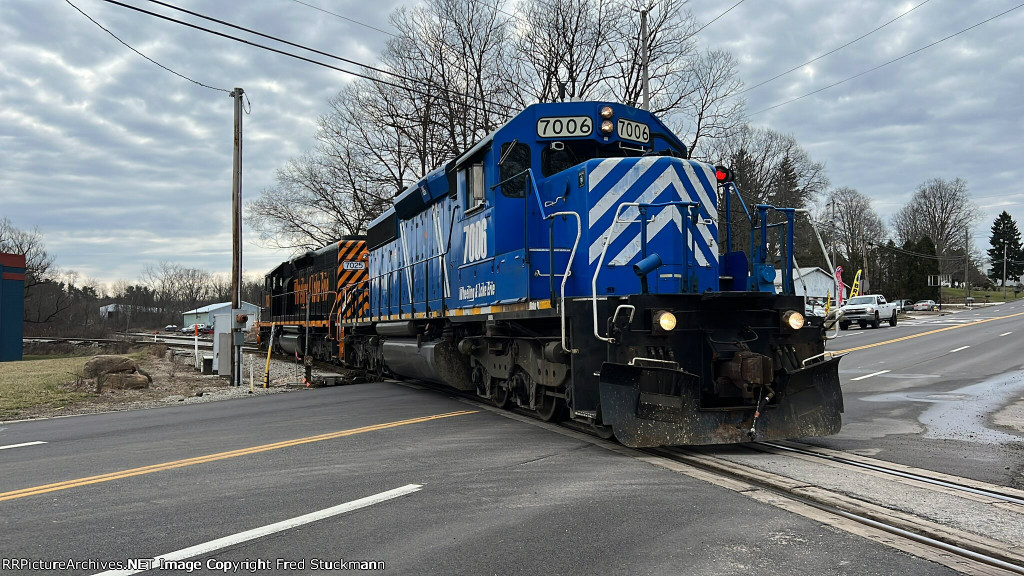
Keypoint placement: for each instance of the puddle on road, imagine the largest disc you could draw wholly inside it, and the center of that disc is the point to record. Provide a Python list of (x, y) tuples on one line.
[(963, 414)]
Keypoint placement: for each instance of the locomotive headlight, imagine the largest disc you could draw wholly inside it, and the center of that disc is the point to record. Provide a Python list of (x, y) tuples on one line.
[(793, 319), (607, 112), (664, 321), (607, 126)]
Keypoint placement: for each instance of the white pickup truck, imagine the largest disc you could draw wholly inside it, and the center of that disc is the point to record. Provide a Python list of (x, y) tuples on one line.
[(870, 309)]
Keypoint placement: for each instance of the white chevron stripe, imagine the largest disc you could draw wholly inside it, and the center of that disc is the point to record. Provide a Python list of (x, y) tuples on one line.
[(701, 259), (602, 170), (705, 200), (668, 178), (612, 196), (657, 225), (629, 214), (709, 173)]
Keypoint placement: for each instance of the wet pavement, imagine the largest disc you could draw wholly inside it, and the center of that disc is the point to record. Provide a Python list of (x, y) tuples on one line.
[(931, 400)]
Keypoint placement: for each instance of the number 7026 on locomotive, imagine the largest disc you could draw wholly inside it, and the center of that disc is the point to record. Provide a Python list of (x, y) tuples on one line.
[(569, 264)]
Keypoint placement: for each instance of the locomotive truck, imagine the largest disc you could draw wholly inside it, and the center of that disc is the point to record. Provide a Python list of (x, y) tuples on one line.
[(569, 265)]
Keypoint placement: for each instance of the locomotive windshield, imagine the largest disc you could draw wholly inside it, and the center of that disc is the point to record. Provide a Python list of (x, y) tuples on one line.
[(563, 155)]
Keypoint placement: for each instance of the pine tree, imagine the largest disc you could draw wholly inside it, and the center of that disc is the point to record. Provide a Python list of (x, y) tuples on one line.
[(1005, 233)]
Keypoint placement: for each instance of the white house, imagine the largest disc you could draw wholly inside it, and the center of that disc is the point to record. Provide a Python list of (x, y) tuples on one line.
[(820, 284), (205, 314)]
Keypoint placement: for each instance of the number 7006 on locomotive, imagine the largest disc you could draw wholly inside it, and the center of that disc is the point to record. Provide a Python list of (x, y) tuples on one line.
[(569, 264)]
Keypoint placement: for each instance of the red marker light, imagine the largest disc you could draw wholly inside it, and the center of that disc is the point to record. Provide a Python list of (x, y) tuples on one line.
[(723, 174), (720, 174)]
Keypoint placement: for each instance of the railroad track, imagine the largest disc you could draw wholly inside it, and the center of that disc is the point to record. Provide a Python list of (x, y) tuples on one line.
[(933, 478), (975, 554)]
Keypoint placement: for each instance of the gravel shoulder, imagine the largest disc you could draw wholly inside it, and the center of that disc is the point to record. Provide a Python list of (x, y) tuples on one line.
[(175, 381)]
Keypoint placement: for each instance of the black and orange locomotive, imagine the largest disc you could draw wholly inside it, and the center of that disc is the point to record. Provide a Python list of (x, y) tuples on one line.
[(306, 300)]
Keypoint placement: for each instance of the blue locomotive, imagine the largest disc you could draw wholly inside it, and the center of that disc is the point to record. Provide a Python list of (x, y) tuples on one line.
[(569, 265)]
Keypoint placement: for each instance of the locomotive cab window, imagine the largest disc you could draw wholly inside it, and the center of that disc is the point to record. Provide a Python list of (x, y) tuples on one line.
[(514, 160), (474, 176)]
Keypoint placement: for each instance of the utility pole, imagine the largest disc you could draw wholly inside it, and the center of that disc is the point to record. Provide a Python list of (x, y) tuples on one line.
[(644, 56), (967, 260), (864, 286), (835, 231), (236, 241), (1004, 270)]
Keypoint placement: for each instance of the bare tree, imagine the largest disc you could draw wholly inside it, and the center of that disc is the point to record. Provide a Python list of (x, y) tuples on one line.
[(712, 109), (177, 288), (943, 211), (670, 48), (856, 224), (759, 156), (462, 68), (39, 264), (771, 168), (563, 50)]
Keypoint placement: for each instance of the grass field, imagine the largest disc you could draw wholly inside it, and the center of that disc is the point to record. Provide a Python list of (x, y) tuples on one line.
[(31, 383), (956, 295)]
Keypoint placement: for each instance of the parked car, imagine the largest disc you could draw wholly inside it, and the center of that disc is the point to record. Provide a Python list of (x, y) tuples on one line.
[(925, 305), (206, 329), (904, 305), (191, 328), (171, 328)]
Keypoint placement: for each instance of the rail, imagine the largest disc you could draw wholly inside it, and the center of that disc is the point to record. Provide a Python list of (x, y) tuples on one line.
[(961, 544)]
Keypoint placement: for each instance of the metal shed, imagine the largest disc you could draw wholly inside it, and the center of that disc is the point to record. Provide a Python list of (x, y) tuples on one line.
[(205, 314)]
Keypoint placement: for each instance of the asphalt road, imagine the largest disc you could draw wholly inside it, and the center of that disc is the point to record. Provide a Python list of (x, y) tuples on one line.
[(485, 495), (927, 399)]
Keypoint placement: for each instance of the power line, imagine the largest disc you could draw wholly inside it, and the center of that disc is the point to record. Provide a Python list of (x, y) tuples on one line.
[(352, 20), (830, 52), (791, 100), (715, 19), (105, 29), (303, 47), (311, 61), (915, 254)]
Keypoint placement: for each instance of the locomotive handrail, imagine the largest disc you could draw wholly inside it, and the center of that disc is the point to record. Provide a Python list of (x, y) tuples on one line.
[(728, 210), (762, 252), (568, 267), (611, 233)]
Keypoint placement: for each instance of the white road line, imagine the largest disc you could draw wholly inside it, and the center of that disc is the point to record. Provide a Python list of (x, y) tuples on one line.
[(869, 375), (22, 444), (226, 541), (960, 348), (1006, 333)]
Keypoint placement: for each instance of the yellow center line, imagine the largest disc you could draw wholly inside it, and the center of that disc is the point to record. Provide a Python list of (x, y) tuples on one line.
[(912, 336), (214, 457)]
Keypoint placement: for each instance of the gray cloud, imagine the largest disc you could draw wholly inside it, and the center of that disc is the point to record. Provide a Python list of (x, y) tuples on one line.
[(121, 164), (954, 110)]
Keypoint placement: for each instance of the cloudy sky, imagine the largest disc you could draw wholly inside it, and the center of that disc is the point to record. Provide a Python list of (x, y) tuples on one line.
[(121, 164)]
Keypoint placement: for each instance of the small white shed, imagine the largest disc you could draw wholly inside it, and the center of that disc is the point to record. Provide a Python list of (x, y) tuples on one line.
[(205, 314), (820, 284)]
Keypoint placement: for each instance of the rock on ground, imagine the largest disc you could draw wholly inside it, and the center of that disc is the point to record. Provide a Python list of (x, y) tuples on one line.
[(116, 373)]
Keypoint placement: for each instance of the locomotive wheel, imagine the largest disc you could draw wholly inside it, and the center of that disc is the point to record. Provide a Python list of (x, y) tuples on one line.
[(547, 409), (500, 395)]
